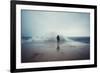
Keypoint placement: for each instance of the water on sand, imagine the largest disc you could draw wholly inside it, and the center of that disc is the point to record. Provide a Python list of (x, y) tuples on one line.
[(49, 51)]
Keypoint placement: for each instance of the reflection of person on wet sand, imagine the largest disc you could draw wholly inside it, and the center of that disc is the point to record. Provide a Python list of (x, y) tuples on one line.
[(58, 42)]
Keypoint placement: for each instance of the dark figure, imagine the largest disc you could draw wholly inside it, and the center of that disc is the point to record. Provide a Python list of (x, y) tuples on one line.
[(58, 42)]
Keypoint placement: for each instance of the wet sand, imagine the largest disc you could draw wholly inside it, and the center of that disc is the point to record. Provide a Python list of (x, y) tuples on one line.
[(48, 51)]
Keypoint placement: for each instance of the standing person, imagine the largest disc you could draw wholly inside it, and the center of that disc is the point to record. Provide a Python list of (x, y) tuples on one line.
[(58, 41)]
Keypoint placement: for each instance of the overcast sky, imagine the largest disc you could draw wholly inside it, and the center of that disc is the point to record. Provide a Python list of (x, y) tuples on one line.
[(41, 23)]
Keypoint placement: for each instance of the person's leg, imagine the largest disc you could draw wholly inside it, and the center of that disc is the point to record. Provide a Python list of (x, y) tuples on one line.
[(58, 48)]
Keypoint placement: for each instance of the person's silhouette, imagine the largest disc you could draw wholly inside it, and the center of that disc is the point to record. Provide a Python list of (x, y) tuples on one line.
[(58, 38), (58, 41)]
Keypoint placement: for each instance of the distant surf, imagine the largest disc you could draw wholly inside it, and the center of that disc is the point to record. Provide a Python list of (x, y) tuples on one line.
[(81, 39)]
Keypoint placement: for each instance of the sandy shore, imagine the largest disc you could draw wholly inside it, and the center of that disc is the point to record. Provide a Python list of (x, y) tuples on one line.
[(47, 51)]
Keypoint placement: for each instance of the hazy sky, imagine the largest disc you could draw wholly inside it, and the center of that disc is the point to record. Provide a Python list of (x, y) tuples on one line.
[(41, 23)]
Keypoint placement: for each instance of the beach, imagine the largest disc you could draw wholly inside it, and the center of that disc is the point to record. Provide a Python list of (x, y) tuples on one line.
[(48, 51)]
